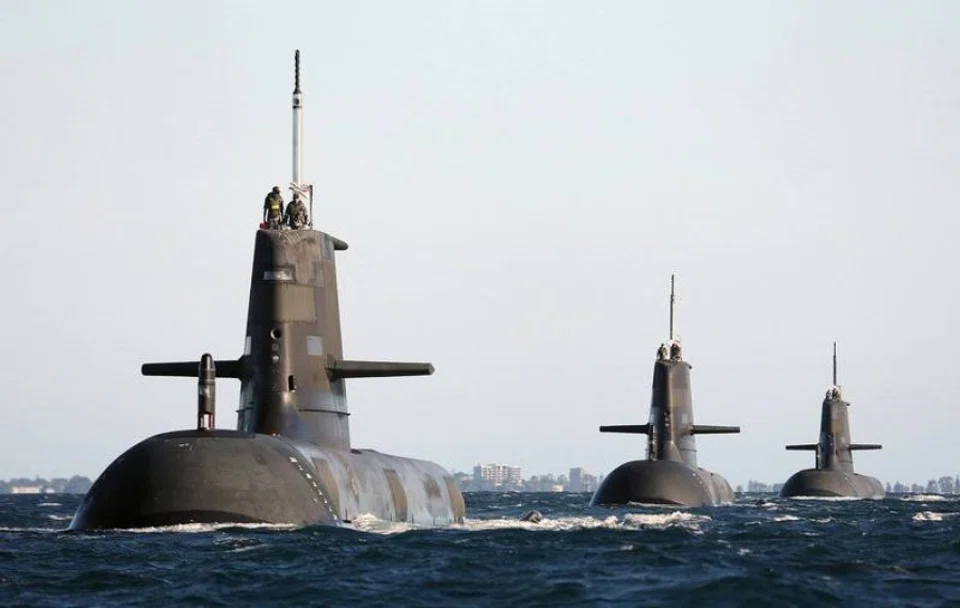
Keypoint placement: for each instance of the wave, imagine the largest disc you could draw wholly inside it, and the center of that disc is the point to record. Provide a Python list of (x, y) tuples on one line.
[(371, 523), (677, 518), (829, 498), (238, 544), (629, 521), (789, 552), (31, 529), (200, 528), (931, 516), (924, 498), (786, 518)]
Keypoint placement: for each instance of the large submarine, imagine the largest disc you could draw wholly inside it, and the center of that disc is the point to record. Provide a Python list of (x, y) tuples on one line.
[(670, 474), (833, 474), (290, 460)]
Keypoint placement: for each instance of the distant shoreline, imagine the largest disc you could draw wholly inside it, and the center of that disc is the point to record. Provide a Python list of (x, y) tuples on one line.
[(38, 485)]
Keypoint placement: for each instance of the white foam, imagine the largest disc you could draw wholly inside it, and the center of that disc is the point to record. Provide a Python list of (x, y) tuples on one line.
[(924, 498), (44, 530), (60, 517), (827, 498), (49, 504), (667, 519), (238, 543), (630, 521), (371, 523), (199, 528), (786, 518), (931, 516), (559, 524)]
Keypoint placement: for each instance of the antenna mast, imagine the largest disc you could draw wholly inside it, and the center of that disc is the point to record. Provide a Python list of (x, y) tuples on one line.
[(673, 311), (303, 190), (835, 365), (297, 122)]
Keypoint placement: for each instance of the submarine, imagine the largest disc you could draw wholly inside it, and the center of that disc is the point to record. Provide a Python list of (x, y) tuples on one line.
[(670, 474), (832, 474), (290, 459)]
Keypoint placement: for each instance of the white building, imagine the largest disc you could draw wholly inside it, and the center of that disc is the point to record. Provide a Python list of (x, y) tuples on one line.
[(497, 474)]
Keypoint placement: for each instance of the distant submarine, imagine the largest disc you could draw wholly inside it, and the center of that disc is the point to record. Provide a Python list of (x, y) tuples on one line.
[(833, 473), (290, 460), (670, 474)]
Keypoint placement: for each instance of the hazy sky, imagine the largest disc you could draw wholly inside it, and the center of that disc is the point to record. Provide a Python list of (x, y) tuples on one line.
[(517, 181)]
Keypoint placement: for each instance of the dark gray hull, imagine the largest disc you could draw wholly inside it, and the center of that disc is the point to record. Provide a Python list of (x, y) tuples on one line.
[(665, 482), (825, 483), (188, 477)]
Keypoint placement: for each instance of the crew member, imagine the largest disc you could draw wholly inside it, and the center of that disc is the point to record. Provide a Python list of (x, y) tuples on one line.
[(273, 208), (296, 214)]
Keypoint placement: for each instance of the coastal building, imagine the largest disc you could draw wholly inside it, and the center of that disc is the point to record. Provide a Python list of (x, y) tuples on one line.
[(57, 485), (581, 481), (497, 476), (500, 477), (28, 490)]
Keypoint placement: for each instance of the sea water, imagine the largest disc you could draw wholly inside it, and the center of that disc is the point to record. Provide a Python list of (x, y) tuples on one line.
[(899, 551)]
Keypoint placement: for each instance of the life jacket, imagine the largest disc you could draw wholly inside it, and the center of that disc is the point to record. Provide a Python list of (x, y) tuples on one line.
[(275, 203)]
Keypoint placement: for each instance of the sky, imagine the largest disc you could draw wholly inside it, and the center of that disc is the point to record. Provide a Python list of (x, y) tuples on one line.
[(517, 181)]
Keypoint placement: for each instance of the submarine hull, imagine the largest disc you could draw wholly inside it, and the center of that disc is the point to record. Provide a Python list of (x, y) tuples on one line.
[(290, 461), (666, 482), (827, 483), (186, 477)]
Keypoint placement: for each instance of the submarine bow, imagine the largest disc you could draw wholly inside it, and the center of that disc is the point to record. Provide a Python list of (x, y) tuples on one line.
[(290, 460)]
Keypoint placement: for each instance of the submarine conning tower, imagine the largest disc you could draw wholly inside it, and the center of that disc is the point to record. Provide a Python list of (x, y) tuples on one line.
[(833, 450), (670, 473), (292, 370), (671, 430)]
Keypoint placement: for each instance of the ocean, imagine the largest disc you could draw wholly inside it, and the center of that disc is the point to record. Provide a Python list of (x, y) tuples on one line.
[(900, 551)]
